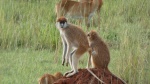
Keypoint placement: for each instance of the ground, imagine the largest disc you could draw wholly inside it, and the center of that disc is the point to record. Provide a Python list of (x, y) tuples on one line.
[(84, 77)]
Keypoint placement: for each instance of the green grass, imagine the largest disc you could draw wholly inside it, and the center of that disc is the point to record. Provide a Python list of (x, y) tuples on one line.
[(30, 44), (25, 66)]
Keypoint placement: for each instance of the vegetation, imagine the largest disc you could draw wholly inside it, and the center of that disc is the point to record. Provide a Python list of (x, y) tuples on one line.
[(30, 44)]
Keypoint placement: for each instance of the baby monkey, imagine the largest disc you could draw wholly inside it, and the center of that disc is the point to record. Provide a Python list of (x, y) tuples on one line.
[(100, 53), (100, 56), (75, 43)]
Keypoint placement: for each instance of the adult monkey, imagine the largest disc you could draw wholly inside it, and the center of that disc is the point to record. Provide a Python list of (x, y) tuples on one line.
[(73, 37)]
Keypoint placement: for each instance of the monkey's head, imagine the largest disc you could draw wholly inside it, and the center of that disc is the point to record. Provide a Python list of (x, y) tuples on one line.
[(61, 22), (92, 35)]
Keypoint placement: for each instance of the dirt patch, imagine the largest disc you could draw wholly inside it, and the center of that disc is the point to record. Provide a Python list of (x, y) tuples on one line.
[(84, 77)]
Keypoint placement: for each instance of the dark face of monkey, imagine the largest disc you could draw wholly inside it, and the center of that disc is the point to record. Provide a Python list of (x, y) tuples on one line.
[(61, 22)]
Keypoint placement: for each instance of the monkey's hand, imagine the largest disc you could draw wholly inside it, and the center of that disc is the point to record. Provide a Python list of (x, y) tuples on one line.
[(67, 61), (94, 53), (63, 62), (89, 49)]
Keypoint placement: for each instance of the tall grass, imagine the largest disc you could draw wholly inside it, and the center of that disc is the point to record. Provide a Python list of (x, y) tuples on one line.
[(27, 24), (125, 26)]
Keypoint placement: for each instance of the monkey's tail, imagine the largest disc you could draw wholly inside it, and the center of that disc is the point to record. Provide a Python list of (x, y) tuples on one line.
[(95, 76), (117, 77), (89, 63)]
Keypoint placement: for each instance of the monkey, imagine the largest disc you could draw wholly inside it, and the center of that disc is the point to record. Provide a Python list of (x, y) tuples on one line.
[(100, 53), (100, 56), (77, 10), (50, 79), (73, 38)]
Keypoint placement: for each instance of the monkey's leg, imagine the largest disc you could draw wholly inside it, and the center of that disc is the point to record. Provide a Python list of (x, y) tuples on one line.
[(70, 58), (75, 58), (74, 65), (70, 62)]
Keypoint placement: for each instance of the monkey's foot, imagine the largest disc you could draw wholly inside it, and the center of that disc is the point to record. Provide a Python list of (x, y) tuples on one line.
[(68, 72), (71, 74)]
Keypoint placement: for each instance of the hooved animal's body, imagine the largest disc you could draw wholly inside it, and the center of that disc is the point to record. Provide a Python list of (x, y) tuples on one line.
[(74, 9), (96, 20)]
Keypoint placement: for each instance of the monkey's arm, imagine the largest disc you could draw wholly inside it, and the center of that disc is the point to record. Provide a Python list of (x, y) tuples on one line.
[(64, 50), (68, 52), (70, 58)]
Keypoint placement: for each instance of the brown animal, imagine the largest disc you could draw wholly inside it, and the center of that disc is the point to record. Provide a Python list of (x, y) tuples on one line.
[(50, 79), (100, 53), (74, 38), (100, 56), (100, 3), (96, 20), (75, 9)]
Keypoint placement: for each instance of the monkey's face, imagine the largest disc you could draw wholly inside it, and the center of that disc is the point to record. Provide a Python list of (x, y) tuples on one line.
[(91, 35), (61, 22)]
